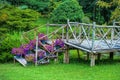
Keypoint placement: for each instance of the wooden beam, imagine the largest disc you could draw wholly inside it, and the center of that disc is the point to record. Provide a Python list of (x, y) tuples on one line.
[(58, 25), (78, 55), (92, 63), (98, 56), (88, 55), (36, 52), (66, 55), (56, 59), (111, 55), (14, 60)]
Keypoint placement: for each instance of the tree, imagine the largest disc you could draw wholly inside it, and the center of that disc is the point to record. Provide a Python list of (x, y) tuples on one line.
[(94, 12), (45, 7), (69, 9), (113, 3)]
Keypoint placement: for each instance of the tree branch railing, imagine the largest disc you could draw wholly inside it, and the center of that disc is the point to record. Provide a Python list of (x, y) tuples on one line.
[(94, 35)]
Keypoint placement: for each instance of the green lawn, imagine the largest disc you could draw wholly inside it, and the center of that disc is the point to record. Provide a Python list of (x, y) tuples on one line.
[(104, 70)]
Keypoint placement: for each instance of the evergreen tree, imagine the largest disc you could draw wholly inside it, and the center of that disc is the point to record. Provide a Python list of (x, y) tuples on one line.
[(69, 9)]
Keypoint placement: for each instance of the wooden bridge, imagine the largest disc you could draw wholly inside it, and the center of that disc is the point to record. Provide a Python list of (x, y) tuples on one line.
[(92, 38)]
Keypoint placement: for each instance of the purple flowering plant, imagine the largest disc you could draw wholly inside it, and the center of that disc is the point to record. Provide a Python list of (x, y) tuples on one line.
[(41, 54), (49, 48), (42, 36), (18, 51), (33, 42), (25, 47), (59, 42)]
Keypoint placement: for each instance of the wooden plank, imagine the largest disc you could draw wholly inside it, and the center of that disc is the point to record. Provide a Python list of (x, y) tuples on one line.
[(21, 60), (77, 47), (56, 25)]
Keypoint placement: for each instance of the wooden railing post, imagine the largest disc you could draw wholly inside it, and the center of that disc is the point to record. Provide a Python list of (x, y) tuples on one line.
[(47, 28), (67, 27), (93, 35), (111, 55), (92, 63), (78, 55), (36, 52), (66, 55)]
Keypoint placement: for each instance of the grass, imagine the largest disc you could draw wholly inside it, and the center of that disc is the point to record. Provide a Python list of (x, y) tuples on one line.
[(104, 70)]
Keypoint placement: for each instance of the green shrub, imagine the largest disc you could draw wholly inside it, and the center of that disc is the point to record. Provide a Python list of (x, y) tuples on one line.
[(41, 6), (69, 9), (14, 18), (5, 57), (6, 44), (86, 19)]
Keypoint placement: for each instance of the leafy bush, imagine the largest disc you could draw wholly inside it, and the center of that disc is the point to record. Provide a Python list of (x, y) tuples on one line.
[(69, 9), (6, 44), (39, 5), (86, 19), (13, 18)]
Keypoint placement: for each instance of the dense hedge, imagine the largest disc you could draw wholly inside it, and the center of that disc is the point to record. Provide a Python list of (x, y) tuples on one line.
[(13, 18), (6, 44), (69, 9)]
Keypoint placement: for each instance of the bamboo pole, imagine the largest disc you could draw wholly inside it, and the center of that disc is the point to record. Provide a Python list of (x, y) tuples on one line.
[(36, 54)]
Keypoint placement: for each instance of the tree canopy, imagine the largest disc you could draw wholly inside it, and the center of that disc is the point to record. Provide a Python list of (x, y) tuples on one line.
[(114, 3), (69, 9)]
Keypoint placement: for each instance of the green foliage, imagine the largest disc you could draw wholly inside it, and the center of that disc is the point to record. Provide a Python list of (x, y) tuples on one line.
[(5, 57), (69, 9), (116, 14), (16, 19), (6, 44), (45, 7), (87, 5), (94, 12), (86, 19), (39, 5), (115, 4), (103, 4)]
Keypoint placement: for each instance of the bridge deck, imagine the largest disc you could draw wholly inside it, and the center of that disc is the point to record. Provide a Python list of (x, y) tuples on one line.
[(100, 46)]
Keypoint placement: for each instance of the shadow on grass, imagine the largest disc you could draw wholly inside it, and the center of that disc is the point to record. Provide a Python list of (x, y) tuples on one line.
[(97, 62)]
